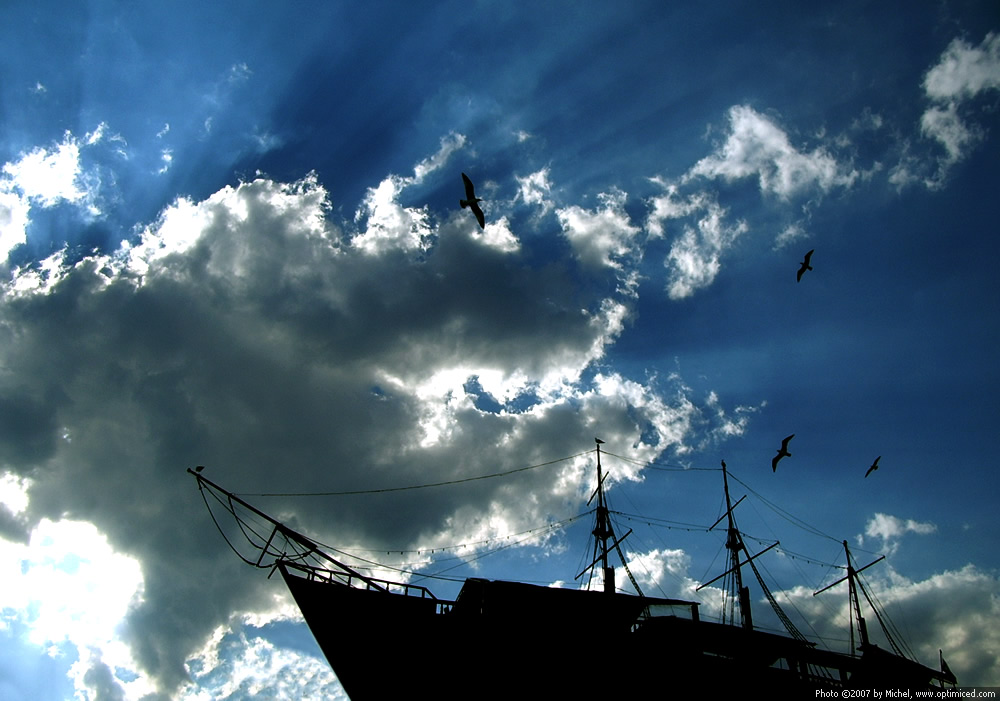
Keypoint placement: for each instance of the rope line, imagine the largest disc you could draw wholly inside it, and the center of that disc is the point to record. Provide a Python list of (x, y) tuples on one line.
[(412, 486)]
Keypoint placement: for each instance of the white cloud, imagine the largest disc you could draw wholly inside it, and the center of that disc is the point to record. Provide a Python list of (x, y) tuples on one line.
[(238, 664), (46, 177), (14, 493), (390, 226), (952, 611), (947, 127), (756, 146), (68, 586), (497, 235), (886, 527), (14, 209), (694, 259), (449, 145), (792, 232), (964, 71), (535, 188), (890, 529), (600, 238), (167, 158)]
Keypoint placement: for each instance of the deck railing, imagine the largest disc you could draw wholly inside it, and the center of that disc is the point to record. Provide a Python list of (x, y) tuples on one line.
[(319, 574)]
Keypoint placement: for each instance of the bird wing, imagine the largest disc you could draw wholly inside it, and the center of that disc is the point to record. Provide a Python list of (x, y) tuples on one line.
[(774, 462), (470, 191), (870, 470), (876, 461), (784, 443), (479, 214), (805, 266)]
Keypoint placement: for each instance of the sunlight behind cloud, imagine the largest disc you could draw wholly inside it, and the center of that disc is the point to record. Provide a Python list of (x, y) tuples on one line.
[(71, 587)]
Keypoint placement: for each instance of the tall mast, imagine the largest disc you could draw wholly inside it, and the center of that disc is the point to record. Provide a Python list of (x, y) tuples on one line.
[(603, 532), (855, 603), (735, 544), (603, 529)]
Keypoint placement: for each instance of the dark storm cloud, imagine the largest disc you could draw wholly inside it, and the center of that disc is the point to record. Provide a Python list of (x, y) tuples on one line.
[(248, 333)]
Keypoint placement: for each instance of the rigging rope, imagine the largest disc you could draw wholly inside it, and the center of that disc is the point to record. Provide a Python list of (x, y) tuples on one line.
[(412, 486)]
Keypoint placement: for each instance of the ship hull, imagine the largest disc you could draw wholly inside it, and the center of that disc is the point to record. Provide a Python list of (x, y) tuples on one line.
[(504, 638)]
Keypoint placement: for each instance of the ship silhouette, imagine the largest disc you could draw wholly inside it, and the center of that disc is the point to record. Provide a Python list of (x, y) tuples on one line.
[(394, 639)]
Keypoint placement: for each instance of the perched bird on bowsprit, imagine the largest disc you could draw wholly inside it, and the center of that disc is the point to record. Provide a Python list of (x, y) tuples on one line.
[(472, 202), (782, 453), (805, 265), (873, 467)]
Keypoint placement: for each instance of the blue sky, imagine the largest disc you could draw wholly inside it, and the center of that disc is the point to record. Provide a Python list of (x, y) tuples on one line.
[(231, 236)]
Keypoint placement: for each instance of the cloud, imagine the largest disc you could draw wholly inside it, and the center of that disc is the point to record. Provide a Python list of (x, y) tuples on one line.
[(757, 147), (962, 73), (389, 225), (46, 177), (950, 611), (535, 188), (244, 663), (68, 588), (890, 528), (695, 255), (964, 70), (49, 176), (250, 332), (600, 238), (449, 144)]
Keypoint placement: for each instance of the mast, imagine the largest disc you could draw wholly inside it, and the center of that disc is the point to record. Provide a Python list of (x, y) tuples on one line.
[(735, 591), (735, 544), (853, 594), (604, 532), (855, 601)]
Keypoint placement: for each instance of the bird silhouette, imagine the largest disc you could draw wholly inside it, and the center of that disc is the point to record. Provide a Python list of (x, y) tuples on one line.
[(598, 441), (723, 464), (805, 265), (782, 453), (472, 202), (874, 466), (199, 468)]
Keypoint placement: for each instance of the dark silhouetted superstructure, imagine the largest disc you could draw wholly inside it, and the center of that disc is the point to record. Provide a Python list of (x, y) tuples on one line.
[(499, 639)]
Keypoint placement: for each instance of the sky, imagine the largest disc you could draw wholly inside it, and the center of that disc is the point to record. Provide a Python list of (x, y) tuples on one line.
[(230, 236)]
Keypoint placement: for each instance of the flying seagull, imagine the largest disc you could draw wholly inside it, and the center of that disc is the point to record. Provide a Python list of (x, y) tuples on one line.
[(874, 466), (782, 453), (472, 202), (805, 265)]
